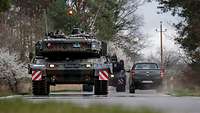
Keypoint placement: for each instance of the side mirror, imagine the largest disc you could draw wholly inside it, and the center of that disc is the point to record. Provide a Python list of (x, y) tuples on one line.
[(104, 49), (30, 56), (29, 69)]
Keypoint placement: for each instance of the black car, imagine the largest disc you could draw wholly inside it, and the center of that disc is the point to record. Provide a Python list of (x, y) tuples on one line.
[(143, 75)]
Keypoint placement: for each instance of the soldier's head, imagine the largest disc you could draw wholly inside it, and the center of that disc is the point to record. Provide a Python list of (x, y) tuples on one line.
[(76, 31), (121, 62)]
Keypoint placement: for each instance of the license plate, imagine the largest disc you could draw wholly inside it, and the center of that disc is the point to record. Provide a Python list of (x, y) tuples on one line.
[(147, 81)]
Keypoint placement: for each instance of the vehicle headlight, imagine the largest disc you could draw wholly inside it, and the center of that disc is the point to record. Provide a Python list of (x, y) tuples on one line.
[(93, 45), (88, 65), (112, 76), (51, 65)]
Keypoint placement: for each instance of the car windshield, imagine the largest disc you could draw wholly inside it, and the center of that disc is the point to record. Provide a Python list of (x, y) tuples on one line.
[(146, 66)]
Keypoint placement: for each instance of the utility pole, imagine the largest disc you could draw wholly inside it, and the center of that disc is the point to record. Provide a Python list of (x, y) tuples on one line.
[(161, 44)]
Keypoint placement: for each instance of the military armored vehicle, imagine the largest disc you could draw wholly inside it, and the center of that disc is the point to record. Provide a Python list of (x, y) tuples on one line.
[(78, 58)]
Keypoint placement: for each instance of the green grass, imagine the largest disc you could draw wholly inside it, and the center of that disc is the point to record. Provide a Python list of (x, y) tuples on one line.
[(22, 106), (185, 92), (8, 93)]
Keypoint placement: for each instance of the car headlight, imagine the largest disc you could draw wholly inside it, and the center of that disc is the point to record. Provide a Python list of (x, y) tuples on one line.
[(93, 45), (112, 76), (88, 65), (51, 65)]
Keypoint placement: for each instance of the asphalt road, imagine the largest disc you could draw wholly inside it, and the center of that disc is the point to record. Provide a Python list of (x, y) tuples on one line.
[(148, 98)]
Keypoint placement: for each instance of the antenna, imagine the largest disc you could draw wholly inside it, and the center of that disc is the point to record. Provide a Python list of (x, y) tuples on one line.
[(94, 21), (46, 22)]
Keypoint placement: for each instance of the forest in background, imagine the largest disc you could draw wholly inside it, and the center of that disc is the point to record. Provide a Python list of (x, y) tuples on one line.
[(24, 22)]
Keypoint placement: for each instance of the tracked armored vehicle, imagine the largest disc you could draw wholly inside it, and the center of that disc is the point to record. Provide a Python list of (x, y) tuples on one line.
[(78, 58)]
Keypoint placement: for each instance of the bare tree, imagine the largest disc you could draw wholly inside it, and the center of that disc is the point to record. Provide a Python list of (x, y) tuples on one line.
[(128, 36), (22, 25), (171, 58)]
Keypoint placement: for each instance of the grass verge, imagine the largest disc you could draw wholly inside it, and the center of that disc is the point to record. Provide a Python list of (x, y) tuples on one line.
[(5, 93), (22, 106), (185, 92)]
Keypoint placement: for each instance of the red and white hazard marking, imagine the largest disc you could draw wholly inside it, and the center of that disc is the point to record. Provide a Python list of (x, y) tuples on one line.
[(36, 75), (103, 75)]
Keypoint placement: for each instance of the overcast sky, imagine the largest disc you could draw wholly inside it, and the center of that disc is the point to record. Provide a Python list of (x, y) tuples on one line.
[(152, 22)]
